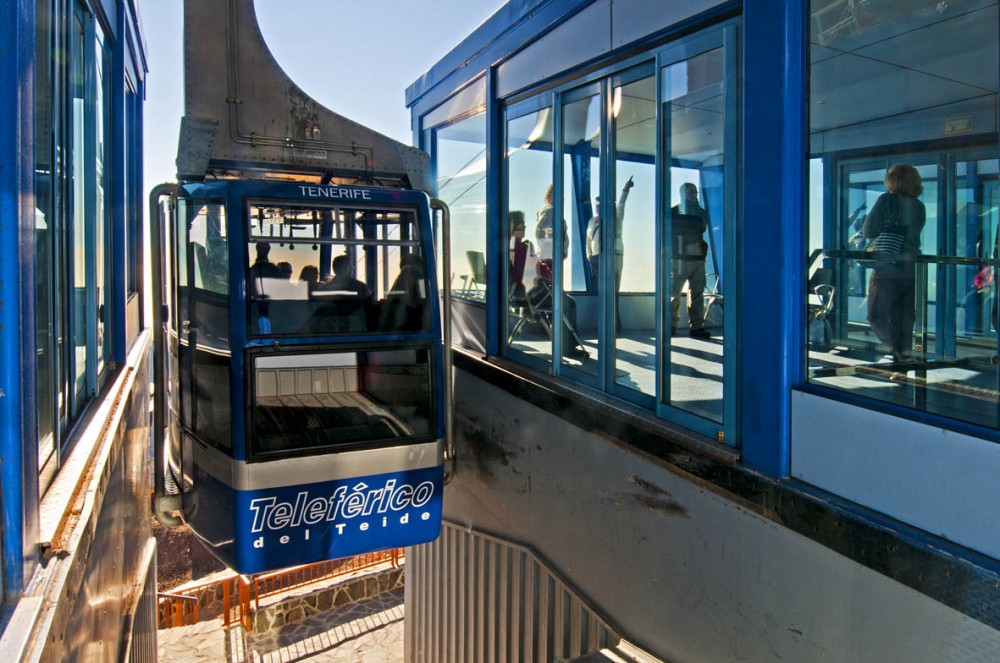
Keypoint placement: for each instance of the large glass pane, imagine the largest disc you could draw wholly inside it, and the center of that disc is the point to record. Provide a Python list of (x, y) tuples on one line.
[(581, 280), (634, 235), (203, 320), (461, 182), (693, 104), (45, 225), (977, 201), (78, 85), (528, 308), (911, 321), (102, 193), (335, 270), (307, 403)]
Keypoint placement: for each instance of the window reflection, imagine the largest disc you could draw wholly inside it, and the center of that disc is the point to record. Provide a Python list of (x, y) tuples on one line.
[(460, 155), (633, 219), (582, 262), (202, 320), (326, 270), (877, 89), (693, 94), (592, 275), (307, 402), (529, 307)]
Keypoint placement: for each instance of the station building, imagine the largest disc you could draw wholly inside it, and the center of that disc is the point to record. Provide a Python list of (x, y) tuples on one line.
[(702, 417), (78, 558)]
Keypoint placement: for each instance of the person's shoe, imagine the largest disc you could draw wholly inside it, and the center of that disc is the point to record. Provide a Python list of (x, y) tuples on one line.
[(699, 332), (577, 353)]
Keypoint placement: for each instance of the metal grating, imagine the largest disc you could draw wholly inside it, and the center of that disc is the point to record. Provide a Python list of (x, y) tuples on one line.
[(141, 645), (474, 597)]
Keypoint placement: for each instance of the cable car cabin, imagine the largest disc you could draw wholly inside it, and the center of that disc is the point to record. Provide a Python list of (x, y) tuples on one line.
[(304, 370)]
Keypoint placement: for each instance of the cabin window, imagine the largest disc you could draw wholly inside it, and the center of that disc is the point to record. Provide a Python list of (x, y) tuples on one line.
[(306, 402), (315, 271), (201, 319)]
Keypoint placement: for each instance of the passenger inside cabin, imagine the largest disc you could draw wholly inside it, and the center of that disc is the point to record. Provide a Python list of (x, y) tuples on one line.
[(345, 304), (405, 305), (263, 273), (309, 275), (263, 268), (344, 283)]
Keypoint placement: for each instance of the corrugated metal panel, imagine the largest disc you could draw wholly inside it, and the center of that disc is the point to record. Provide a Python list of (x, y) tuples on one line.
[(142, 637), (473, 597)]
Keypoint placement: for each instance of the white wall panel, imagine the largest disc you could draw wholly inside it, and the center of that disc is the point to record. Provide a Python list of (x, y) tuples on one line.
[(938, 480)]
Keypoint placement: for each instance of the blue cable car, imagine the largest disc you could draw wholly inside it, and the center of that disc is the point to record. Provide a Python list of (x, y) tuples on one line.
[(304, 371)]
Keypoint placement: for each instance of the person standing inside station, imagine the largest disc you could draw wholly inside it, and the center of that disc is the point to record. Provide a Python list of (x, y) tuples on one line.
[(594, 236), (689, 222), (545, 229), (594, 243), (892, 285)]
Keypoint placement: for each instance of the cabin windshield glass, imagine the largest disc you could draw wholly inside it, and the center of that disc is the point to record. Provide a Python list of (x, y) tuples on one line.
[(315, 271), (305, 402)]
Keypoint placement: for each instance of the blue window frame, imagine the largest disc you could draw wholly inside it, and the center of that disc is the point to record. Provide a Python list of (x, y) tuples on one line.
[(596, 291)]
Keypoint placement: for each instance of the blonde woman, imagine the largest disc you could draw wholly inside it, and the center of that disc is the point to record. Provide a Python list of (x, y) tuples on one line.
[(893, 281)]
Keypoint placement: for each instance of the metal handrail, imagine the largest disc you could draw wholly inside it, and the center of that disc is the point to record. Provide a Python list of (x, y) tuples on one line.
[(241, 595), (921, 258), (174, 610), (300, 576)]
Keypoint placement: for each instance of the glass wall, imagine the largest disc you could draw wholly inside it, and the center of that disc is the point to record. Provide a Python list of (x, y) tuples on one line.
[(902, 231), (76, 138), (460, 159), (629, 293), (45, 180)]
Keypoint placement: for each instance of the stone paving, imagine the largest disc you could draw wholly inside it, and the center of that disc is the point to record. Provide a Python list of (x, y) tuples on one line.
[(368, 631)]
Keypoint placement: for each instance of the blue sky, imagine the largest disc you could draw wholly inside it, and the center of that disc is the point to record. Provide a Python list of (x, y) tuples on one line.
[(386, 44)]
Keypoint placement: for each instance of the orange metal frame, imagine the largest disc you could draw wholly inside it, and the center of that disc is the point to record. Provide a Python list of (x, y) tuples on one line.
[(232, 597)]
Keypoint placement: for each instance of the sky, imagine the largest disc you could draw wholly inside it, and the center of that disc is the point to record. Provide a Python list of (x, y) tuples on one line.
[(356, 57)]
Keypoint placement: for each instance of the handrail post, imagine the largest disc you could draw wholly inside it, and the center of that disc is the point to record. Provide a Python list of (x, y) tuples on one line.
[(247, 622), (161, 505), (226, 605), (449, 441)]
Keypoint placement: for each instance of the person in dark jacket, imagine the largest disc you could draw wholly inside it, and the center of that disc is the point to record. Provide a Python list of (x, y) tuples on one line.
[(690, 222), (892, 284)]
